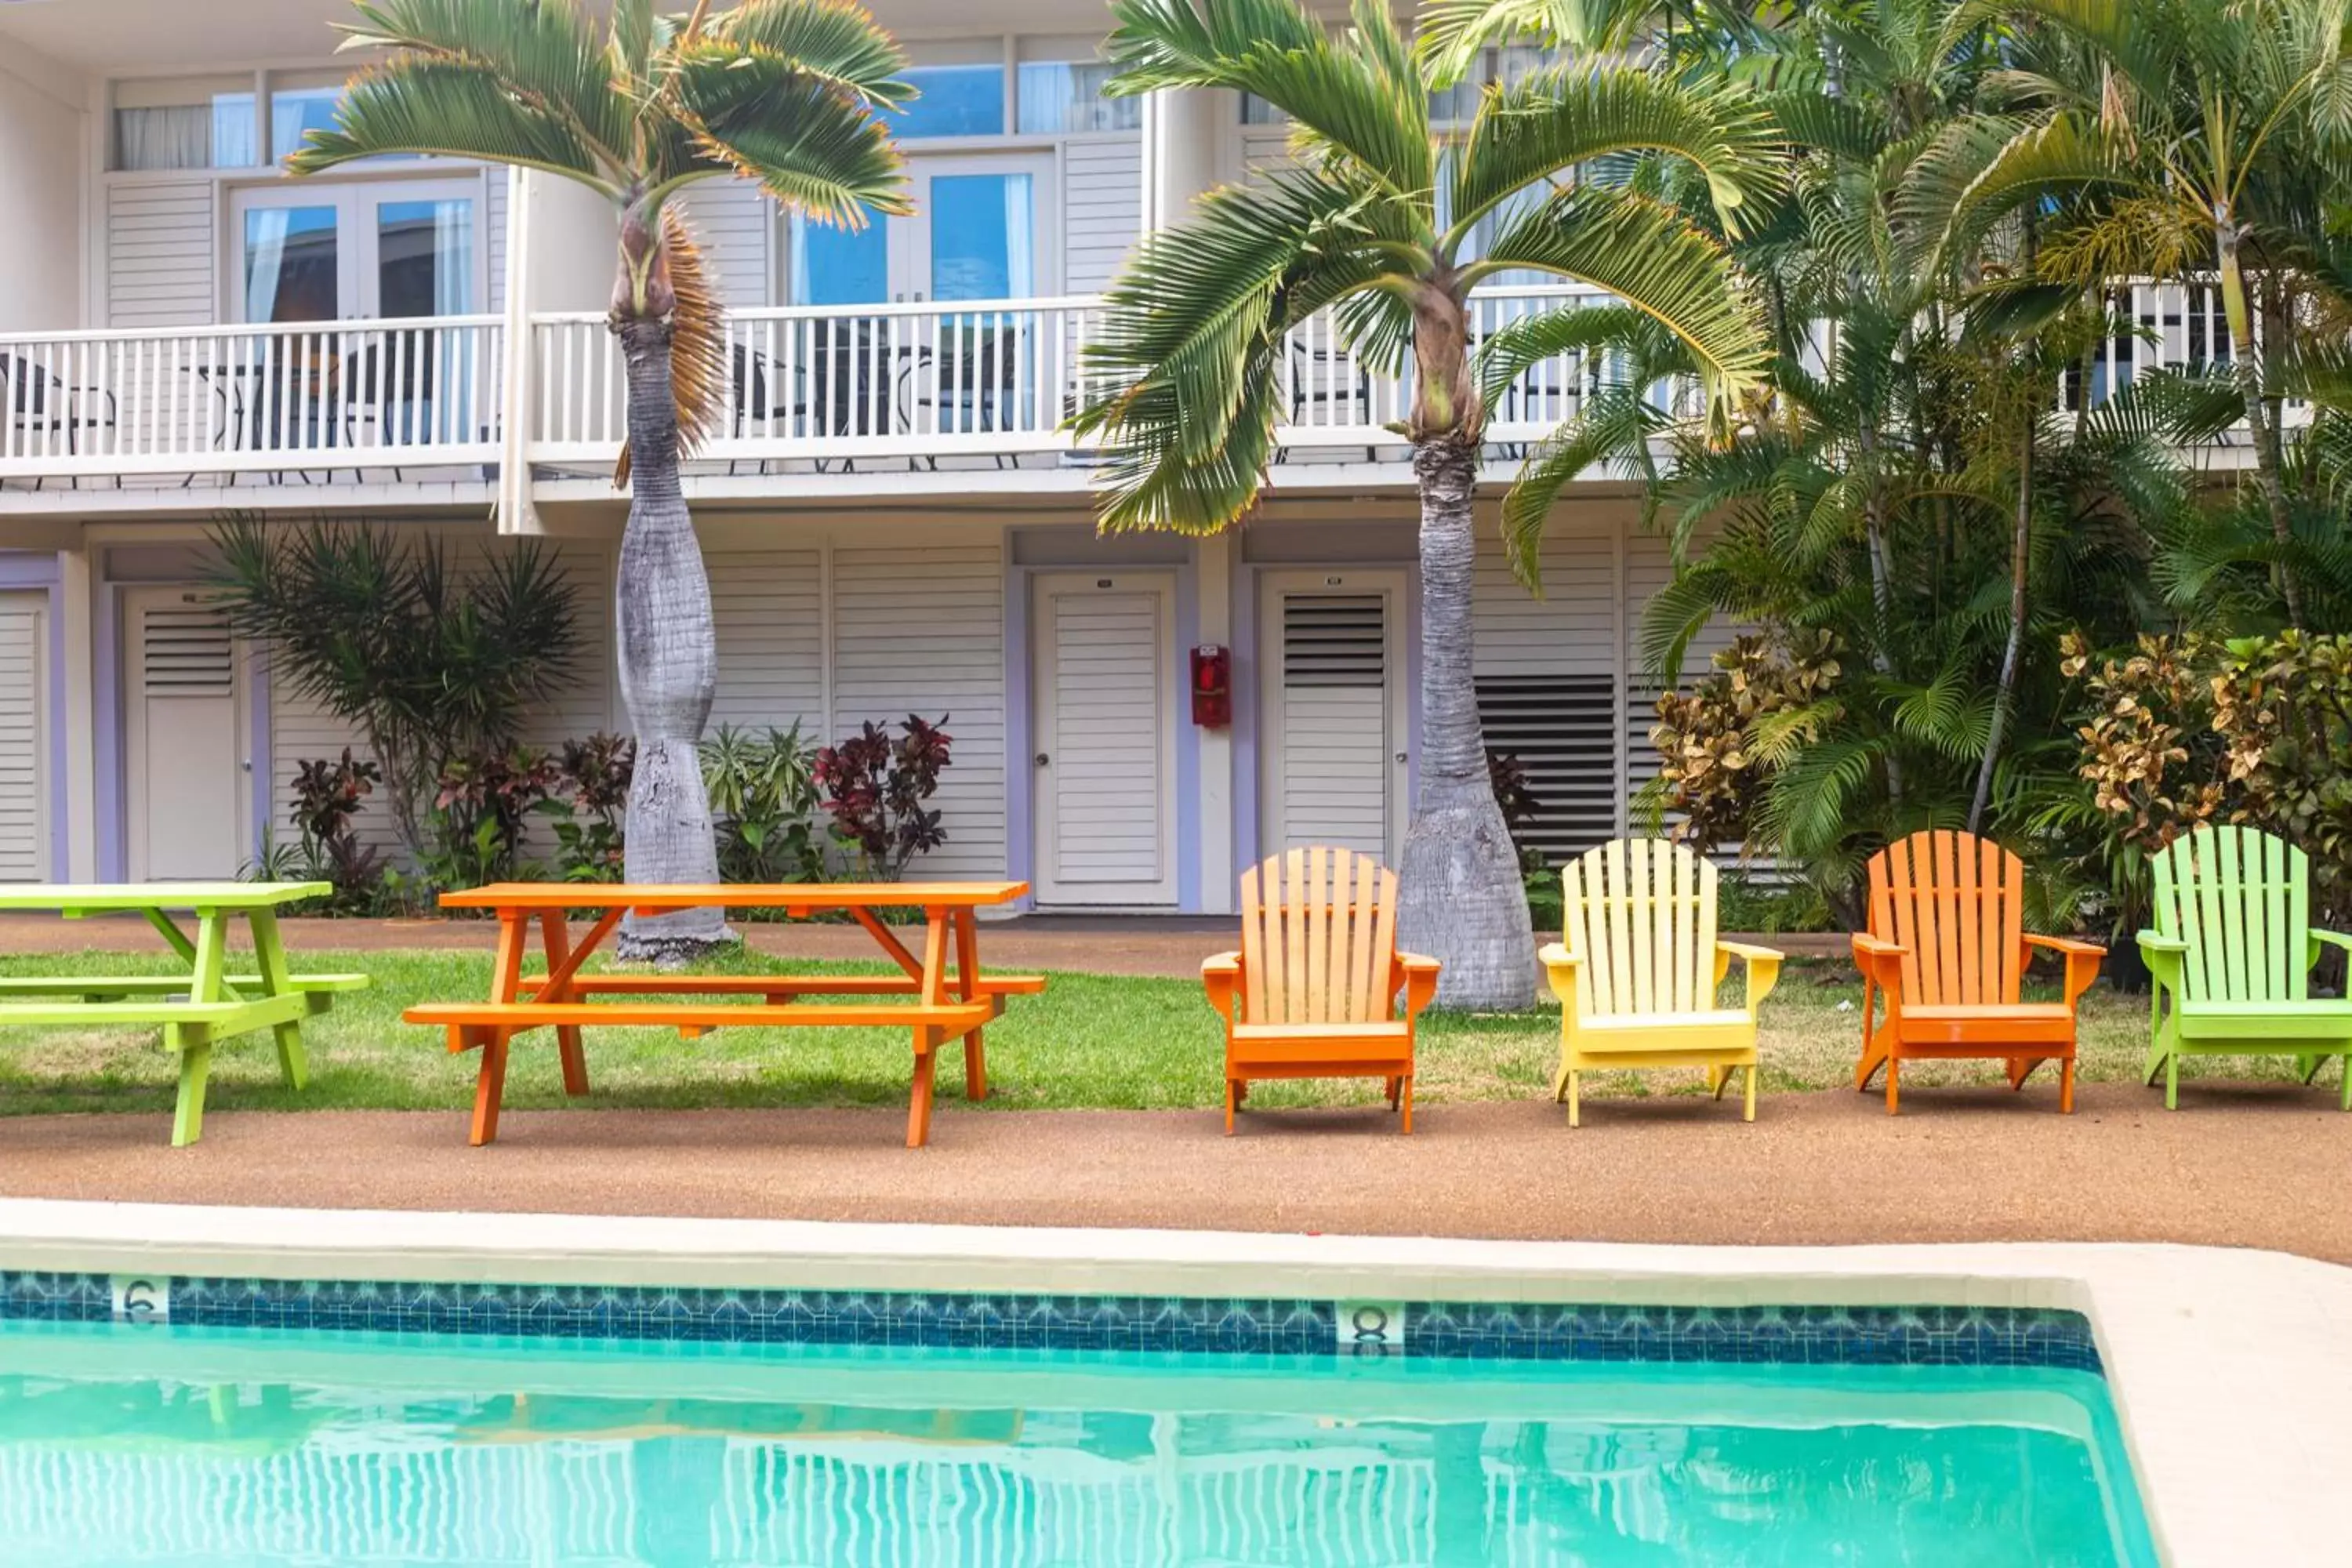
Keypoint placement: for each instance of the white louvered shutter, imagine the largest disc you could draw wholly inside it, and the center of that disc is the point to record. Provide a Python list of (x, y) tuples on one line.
[(1334, 740), (188, 761), (23, 690), (1104, 829)]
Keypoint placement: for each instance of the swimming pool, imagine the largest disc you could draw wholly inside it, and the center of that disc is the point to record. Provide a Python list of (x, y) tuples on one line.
[(198, 1444)]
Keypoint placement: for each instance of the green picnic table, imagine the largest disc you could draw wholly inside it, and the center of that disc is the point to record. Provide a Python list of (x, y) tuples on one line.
[(194, 1010)]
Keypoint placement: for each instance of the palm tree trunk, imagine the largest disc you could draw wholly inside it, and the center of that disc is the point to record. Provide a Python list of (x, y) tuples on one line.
[(1461, 900), (669, 662), (1882, 587), (2248, 371), (2020, 556)]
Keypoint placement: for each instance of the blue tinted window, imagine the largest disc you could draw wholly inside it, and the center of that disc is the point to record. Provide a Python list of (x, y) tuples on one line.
[(981, 230), (956, 100), (292, 111), (837, 265)]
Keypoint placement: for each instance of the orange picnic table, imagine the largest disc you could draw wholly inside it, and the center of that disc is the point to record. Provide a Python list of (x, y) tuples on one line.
[(939, 997)]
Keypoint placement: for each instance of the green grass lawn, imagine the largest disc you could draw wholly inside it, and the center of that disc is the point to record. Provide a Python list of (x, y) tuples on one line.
[(1090, 1040)]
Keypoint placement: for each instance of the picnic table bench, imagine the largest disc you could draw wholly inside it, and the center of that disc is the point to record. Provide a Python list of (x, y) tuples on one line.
[(938, 997), (195, 1010)]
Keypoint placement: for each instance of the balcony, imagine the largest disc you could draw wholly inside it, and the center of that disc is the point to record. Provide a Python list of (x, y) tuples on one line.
[(824, 400), (225, 406)]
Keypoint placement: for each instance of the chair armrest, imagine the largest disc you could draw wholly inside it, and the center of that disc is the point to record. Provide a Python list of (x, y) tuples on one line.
[(2156, 942), (1763, 967), (2328, 938), (2082, 960), (1419, 976), (1222, 975), (1562, 969), (1879, 961), (2070, 946)]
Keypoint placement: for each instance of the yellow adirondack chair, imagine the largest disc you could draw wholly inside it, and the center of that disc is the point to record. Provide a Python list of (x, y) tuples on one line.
[(1313, 990), (1637, 967)]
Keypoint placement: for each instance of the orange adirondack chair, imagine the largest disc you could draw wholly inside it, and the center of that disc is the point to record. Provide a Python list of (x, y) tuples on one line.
[(1947, 945), (1313, 990)]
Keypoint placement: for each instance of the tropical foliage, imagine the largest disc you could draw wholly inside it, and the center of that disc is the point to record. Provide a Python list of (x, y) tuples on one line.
[(1391, 221), (637, 106), (1961, 497), (430, 666)]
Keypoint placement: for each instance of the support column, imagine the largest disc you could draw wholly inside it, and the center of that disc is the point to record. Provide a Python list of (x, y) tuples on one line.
[(1213, 584), (559, 256), (76, 608), (1183, 150)]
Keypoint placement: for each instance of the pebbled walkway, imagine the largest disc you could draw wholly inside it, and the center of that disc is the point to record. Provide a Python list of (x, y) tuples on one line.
[(2247, 1164)]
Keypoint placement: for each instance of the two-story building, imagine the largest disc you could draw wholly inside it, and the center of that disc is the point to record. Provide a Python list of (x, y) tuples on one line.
[(895, 517)]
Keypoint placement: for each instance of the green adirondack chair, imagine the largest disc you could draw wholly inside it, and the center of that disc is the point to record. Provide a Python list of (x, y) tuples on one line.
[(2232, 951)]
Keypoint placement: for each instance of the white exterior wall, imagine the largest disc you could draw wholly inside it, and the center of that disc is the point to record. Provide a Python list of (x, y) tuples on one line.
[(42, 130), (1102, 209)]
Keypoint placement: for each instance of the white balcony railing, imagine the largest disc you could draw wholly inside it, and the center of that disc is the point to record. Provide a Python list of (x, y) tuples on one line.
[(227, 400), (917, 385), (991, 379), (920, 381)]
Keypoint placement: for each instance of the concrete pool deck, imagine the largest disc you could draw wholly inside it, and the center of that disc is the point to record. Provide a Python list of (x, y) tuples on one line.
[(2229, 1368)]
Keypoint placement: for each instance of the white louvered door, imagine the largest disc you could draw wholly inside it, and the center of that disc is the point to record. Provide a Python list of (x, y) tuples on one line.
[(1335, 748), (24, 738), (1104, 753), (186, 734)]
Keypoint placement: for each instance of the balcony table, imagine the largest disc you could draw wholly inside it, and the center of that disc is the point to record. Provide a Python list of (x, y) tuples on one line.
[(197, 1009), (935, 1005)]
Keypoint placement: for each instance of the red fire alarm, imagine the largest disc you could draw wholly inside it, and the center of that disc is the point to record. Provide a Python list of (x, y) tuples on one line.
[(1213, 686)]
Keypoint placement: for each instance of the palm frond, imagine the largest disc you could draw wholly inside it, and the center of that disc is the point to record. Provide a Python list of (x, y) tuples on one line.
[(833, 39), (414, 104), (548, 54), (1574, 112), (1659, 263), (1616, 423), (810, 142), (1277, 50), (1186, 362), (1454, 32)]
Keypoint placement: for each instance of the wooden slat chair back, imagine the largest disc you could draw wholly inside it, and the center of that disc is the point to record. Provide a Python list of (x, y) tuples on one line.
[(1637, 966), (1313, 990), (1955, 904), (2241, 899), (1641, 914), (2230, 948), (1946, 948), (1318, 939)]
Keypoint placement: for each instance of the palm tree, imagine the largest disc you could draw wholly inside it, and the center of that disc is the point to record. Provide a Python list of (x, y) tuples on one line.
[(785, 92), (2204, 134), (1377, 221)]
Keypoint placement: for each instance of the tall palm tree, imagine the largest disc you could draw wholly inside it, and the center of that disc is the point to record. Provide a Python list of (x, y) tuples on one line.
[(2203, 132), (785, 92), (1377, 220)]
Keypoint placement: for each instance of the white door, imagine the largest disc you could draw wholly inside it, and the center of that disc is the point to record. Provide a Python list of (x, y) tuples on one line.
[(1332, 690), (1105, 717), (186, 733), (24, 738)]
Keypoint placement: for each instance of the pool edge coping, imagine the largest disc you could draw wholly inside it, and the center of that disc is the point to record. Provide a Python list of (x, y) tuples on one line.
[(2231, 1369)]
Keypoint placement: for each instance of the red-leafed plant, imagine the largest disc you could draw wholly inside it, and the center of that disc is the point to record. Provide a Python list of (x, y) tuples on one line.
[(875, 787)]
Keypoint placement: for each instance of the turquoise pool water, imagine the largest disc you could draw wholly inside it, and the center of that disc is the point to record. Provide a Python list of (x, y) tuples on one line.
[(205, 1447)]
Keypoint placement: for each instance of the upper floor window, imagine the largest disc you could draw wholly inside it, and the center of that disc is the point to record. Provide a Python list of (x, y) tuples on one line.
[(1061, 89), (301, 101), (187, 122), (960, 89)]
